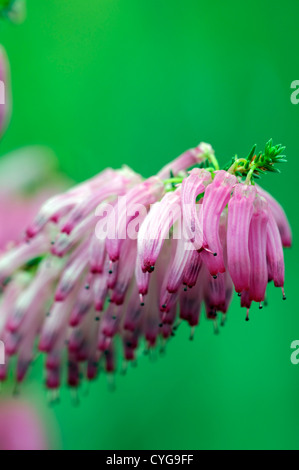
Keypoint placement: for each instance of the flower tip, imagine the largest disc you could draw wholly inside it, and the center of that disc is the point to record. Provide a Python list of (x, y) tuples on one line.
[(283, 294), (31, 232), (67, 229), (59, 296)]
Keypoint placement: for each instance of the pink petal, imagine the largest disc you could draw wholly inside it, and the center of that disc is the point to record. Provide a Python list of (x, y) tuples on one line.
[(257, 250), (275, 252), (155, 228), (240, 209), (216, 197), (280, 217), (192, 186)]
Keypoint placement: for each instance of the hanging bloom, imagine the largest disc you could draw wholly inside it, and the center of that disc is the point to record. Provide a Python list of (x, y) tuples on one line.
[(119, 256), (279, 216), (192, 187), (257, 250), (215, 199), (240, 209)]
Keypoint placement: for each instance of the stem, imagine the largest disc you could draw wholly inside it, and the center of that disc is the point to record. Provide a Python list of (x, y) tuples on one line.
[(212, 159), (250, 173), (235, 165), (175, 180)]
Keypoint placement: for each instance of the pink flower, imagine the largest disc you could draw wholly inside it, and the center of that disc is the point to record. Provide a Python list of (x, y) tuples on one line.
[(279, 216), (274, 253), (192, 187), (119, 256), (20, 428), (20, 171), (5, 101), (240, 209), (257, 250), (215, 199)]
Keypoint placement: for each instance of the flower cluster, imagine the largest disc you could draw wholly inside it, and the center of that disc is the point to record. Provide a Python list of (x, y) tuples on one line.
[(122, 257)]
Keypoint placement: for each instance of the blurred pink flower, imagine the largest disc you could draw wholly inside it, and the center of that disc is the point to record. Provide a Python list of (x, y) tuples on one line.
[(5, 98), (28, 177), (20, 427)]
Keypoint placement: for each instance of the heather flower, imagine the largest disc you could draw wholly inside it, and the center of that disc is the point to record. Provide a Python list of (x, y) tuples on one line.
[(20, 428), (5, 103), (122, 257), (257, 250), (240, 209), (215, 199)]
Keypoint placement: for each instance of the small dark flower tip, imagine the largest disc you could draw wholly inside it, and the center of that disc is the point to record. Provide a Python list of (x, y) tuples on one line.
[(97, 318), (142, 304), (214, 254), (283, 294), (110, 271), (87, 287), (239, 294), (215, 277), (260, 306), (160, 325)]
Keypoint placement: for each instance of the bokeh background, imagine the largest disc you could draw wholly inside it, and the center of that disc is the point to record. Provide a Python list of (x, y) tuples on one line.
[(106, 82)]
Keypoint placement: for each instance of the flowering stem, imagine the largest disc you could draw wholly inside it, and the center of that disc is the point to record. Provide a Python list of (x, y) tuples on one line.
[(257, 164), (250, 174)]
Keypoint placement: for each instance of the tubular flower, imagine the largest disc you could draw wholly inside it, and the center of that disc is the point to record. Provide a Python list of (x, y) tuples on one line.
[(119, 256), (215, 199), (240, 209)]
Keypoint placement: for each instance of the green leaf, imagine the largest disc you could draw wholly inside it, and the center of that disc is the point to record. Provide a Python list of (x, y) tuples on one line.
[(251, 153)]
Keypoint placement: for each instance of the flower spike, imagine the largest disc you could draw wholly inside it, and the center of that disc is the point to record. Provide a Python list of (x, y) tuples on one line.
[(122, 257)]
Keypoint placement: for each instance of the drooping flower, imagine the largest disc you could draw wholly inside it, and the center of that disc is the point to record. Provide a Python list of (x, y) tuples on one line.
[(215, 199), (240, 209), (119, 256)]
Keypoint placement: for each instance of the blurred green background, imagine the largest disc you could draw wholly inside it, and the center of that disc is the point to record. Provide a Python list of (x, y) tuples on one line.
[(105, 82)]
